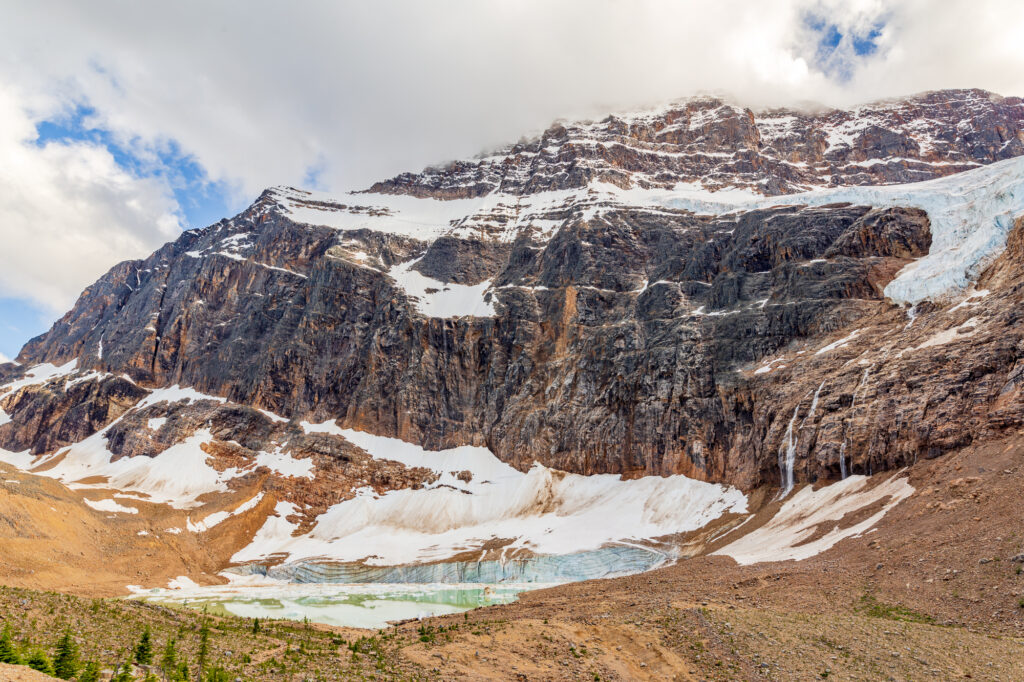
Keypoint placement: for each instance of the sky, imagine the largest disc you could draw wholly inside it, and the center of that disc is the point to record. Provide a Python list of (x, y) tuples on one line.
[(124, 123)]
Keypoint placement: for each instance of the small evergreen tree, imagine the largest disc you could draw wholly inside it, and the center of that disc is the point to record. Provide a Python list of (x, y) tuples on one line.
[(218, 674), (123, 673), (90, 673), (182, 673), (204, 647), (144, 649), (65, 663), (255, 626), (169, 659), (41, 662), (8, 654)]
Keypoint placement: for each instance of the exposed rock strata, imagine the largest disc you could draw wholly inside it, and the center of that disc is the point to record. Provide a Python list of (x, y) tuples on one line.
[(719, 144), (628, 340)]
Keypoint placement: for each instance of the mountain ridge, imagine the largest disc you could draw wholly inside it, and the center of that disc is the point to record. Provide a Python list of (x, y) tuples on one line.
[(748, 340)]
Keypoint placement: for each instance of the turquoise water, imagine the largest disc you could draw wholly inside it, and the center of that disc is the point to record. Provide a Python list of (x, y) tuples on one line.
[(363, 606), (357, 595)]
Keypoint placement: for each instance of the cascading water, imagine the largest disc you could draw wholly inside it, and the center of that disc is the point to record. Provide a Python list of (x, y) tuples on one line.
[(787, 456), (911, 316), (814, 405), (853, 405)]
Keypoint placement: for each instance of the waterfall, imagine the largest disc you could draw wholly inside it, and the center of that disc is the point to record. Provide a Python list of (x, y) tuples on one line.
[(911, 316), (814, 405), (853, 405), (787, 456)]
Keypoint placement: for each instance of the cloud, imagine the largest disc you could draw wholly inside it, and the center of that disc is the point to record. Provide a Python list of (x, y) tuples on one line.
[(4, 358), (339, 95), (268, 92), (68, 212)]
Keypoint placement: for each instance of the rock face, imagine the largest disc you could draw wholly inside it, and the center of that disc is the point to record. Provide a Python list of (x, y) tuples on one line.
[(719, 144), (594, 333)]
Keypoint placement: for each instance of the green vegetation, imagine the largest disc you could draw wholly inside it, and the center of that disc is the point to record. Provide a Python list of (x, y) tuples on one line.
[(65, 663), (77, 639), (204, 646), (169, 659), (90, 673), (8, 654), (873, 608), (37, 660), (144, 649)]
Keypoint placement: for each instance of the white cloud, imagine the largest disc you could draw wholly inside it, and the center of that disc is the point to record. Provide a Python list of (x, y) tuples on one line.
[(68, 212), (260, 92)]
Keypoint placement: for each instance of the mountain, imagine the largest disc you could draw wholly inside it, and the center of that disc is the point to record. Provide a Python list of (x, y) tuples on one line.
[(714, 304)]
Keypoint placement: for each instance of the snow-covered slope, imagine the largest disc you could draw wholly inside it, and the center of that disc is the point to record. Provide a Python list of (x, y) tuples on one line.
[(478, 501), (971, 214)]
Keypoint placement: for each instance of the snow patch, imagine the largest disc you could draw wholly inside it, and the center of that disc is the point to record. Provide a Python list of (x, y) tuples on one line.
[(838, 344), (421, 218), (221, 516), (19, 460), (39, 374), (284, 464), (109, 506), (273, 417), (177, 476), (972, 299), (434, 298), (174, 394), (961, 331), (785, 536)]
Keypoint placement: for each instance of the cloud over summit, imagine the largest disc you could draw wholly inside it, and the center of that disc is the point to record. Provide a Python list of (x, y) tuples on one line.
[(343, 94)]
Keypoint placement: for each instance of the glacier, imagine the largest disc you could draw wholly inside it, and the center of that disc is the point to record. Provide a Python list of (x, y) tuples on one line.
[(971, 214), (540, 512)]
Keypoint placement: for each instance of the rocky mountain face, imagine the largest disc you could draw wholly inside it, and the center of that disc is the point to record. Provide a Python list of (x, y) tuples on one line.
[(721, 145), (619, 297)]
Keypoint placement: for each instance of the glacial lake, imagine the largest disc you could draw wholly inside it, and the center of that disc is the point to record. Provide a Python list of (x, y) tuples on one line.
[(365, 605)]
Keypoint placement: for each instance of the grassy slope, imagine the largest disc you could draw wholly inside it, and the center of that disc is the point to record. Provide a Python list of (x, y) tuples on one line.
[(608, 638)]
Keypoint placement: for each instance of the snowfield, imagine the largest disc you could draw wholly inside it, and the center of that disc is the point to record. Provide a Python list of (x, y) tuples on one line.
[(971, 214), (434, 298), (543, 510), (787, 536)]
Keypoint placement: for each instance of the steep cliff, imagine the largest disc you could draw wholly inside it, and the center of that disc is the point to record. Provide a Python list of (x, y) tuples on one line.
[(745, 298)]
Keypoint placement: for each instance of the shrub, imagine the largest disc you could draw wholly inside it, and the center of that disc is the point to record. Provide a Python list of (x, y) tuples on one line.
[(41, 662), (91, 672), (8, 654)]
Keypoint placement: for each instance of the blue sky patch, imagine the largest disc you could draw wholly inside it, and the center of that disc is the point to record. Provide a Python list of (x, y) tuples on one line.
[(200, 201), (21, 320), (836, 52)]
